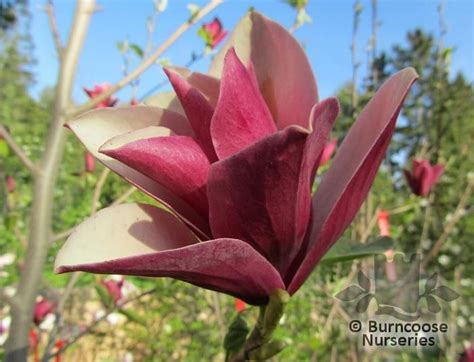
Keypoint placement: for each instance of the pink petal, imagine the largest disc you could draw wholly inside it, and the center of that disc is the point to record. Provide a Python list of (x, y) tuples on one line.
[(328, 151), (197, 109), (176, 162), (144, 240), (241, 116), (344, 187), (283, 70), (262, 195), (96, 127)]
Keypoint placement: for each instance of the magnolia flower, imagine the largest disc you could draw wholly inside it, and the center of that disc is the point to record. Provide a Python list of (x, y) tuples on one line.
[(10, 183), (89, 162), (233, 159), (114, 288), (98, 90), (43, 308), (212, 33), (423, 176), (328, 151)]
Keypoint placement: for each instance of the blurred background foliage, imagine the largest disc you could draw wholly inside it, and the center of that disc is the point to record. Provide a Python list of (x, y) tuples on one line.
[(180, 322)]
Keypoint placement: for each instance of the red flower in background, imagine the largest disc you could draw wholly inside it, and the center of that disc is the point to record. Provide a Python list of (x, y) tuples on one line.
[(328, 151), (89, 162), (114, 288), (384, 230), (423, 176), (10, 183), (239, 305), (212, 33), (234, 163), (467, 355), (98, 90), (383, 223), (134, 102), (42, 309)]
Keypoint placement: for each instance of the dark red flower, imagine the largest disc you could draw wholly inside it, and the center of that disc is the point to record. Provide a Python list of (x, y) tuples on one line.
[(213, 33), (98, 90), (423, 176), (234, 160), (42, 309), (114, 288), (10, 183), (89, 162), (467, 355)]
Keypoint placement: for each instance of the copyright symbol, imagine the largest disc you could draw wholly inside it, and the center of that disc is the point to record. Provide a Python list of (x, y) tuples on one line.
[(355, 325)]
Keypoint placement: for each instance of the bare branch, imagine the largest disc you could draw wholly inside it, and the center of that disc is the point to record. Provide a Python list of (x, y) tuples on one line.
[(147, 62), (16, 148), (98, 190), (49, 8), (87, 330)]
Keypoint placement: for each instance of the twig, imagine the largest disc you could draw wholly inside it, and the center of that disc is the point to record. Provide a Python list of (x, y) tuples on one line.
[(147, 62), (16, 148), (88, 329), (49, 8), (124, 196), (457, 216), (98, 190), (59, 313), (355, 64)]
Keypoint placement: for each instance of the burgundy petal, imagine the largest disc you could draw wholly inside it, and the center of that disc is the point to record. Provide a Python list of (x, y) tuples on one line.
[(176, 162), (344, 187), (143, 240), (198, 110), (284, 73), (262, 195), (241, 116)]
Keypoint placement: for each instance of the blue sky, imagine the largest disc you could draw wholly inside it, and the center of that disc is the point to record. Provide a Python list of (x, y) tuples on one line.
[(326, 40)]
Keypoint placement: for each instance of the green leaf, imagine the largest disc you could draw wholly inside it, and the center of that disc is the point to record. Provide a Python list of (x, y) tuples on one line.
[(345, 250), (236, 335), (137, 50), (122, 46), (193, 10), (4, 149), (132, 316), (104, 296)]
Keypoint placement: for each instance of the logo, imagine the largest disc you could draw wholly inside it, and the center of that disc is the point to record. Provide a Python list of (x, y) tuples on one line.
[(398, 289)]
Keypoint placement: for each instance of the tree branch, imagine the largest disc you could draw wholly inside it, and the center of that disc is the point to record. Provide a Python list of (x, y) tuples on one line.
[(147, 62), (18, 150), (43, 192), (88, 329), (49, 8)]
